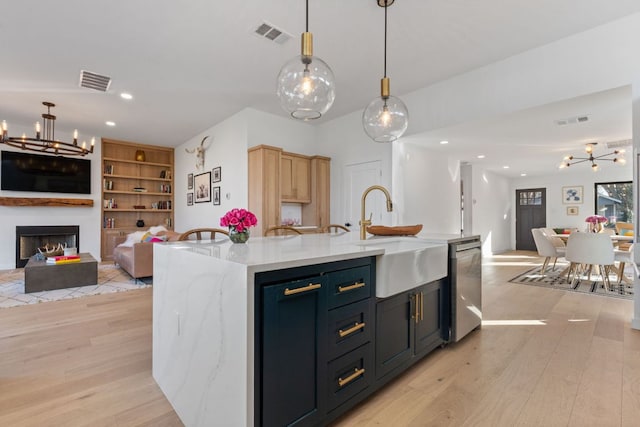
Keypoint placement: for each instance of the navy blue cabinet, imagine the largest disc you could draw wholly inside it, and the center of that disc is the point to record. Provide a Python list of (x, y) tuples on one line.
[(314, 349), (293, 354), (323, 343), (409, 325)]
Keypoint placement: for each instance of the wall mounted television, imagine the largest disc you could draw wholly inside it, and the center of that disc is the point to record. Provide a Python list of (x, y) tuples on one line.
[(48, 174)]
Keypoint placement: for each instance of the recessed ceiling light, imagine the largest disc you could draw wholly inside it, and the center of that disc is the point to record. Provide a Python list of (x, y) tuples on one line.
[(444, 142), (125, 95), (523, 174), (110, 123), (481, 156), (505, 167)]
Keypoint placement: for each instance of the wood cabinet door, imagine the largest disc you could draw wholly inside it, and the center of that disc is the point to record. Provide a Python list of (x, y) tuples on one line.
[(294, 360), (264, 186), (295, 183), (109, 243), (286, 178), (317, 211)]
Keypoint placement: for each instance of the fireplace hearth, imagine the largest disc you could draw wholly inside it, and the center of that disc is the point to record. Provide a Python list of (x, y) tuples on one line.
[(30, 238)]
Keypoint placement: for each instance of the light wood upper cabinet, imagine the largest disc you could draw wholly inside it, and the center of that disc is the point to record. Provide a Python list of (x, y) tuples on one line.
[(264, 186), (295, 180), (317, 211), (276, 176)]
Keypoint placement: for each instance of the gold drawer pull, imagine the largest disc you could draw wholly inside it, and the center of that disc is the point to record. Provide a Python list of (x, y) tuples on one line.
[(356, 373), (350, 287), (311, 287), (351, 330)]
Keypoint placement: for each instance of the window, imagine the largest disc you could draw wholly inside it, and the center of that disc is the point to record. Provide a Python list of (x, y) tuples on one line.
[(614, 200), (530, 198)]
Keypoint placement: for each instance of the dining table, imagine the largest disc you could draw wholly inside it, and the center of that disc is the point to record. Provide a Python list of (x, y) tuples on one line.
[(615, 238)]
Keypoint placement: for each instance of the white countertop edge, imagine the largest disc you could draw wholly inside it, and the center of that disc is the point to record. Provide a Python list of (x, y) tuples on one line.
[(315, 260)]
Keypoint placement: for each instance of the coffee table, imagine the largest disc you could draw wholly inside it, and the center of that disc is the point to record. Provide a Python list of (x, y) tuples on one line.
[(40, 276)]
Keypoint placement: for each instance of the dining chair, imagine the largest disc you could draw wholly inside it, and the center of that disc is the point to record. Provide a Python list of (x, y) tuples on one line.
[(335, 228), (585, 250), (551, 235), (198, 233), (623, 257), (547, 248), (624, 229), (281, 230)]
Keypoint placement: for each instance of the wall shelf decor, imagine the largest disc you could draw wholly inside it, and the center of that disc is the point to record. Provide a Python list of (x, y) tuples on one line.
[(134, 190)]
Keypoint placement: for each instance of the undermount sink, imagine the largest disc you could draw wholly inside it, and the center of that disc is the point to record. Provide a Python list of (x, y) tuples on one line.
[(406, 263)]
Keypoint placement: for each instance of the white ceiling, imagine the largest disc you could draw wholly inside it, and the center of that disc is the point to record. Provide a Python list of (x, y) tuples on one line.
[(531, 142), (190, 65)]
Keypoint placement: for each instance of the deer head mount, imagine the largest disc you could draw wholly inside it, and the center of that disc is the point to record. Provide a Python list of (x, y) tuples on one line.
[(199, 153)]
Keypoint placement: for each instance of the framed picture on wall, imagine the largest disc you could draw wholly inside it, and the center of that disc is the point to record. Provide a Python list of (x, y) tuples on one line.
[(572, 195), (216, 195), (572, 210), (189, 199), (190, 181), (217, 174), (202, 184)]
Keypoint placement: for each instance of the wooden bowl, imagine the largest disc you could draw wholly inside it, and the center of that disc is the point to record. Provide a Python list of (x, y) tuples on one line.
[(400, 230)]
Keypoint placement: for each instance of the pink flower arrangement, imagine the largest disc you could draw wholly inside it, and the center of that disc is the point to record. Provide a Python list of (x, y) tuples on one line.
[(239, 220), (596, 219)]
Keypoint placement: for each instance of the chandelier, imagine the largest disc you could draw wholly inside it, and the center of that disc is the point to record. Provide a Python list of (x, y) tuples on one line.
[(618, 157), (45, 142)]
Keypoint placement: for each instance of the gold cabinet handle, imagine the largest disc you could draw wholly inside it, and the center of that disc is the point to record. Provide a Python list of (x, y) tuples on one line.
[(351, 330), (356, 373), (421, 306), (351, 287), (308, 288)]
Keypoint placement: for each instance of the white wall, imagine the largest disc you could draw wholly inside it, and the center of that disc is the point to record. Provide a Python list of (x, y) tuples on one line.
[(88, 218), (576, 175), (426, 189), (227, 150), (492, 210), (231, 139), (346, 143)]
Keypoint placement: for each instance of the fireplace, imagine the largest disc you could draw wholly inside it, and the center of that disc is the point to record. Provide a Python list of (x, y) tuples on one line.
[(30, 238)]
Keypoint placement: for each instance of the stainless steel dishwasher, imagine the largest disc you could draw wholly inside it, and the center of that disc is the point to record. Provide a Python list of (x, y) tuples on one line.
[(465, 269)]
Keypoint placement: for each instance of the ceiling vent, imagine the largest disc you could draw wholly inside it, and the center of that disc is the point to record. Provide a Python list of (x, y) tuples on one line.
[(269, 32), (572, 120), (619, 144), (94, 81)]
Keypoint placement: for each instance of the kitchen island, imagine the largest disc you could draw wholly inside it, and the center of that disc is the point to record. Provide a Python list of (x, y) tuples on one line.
[(225, 319)]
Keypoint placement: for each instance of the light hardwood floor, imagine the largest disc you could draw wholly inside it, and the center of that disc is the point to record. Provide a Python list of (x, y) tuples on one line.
[(546, 358)]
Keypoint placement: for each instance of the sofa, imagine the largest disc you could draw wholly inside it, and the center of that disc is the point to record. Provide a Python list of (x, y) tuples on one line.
[(136, 257)]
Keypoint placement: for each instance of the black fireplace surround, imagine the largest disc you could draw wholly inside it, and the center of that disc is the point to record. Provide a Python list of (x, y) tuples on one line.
[(30, 238)]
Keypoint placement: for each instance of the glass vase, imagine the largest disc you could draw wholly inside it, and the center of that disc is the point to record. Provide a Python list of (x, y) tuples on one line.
[(238, 236)]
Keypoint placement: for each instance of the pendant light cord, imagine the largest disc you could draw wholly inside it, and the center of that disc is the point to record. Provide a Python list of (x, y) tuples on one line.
[(385, 38), (307, 17)]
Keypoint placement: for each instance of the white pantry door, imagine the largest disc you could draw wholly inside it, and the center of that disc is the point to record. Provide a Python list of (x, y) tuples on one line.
[(359, 177)]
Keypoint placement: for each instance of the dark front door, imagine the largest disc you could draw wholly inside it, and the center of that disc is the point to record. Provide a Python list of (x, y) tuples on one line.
[(531, 212)]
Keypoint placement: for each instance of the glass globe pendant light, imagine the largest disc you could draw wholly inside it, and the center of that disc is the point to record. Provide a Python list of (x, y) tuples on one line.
[(386, 118), (306, 85)]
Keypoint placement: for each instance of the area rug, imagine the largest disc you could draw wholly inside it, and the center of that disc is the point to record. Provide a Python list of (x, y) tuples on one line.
[(557, 279), (110, 279)]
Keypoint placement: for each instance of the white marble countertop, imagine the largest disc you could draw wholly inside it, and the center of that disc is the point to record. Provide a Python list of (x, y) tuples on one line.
[(279, 252)]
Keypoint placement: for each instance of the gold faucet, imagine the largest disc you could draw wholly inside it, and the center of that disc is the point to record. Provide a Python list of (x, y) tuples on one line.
[(366, 222)]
